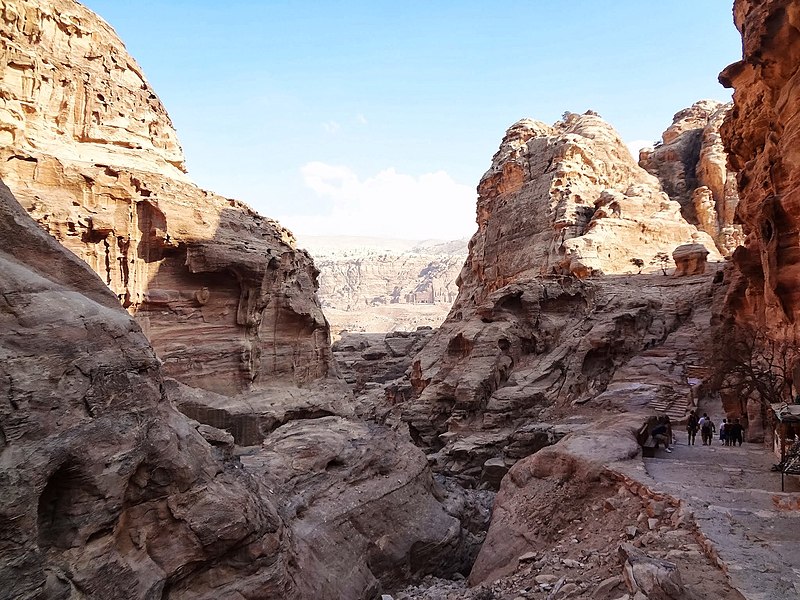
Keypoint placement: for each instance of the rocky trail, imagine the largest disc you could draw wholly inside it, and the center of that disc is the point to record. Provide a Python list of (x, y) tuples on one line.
[(751, 526)]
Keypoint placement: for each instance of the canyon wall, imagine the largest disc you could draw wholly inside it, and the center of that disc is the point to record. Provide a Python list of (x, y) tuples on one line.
[(90, 152), (691, 164), (761, 134), (109, 491)]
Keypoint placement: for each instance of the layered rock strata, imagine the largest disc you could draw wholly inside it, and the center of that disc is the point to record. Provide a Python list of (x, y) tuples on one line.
[(526, 338), (761, 134), (111, 493), (568, 199), (368, 285), (91, 154), (691, 164)]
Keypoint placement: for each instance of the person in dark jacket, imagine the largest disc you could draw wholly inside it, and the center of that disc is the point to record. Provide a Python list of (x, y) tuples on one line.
[(691, 428), (662, 433)]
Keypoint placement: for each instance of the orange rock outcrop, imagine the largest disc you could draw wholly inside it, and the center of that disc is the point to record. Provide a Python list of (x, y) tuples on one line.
[(90, 152), (691, 164), (761, 135), (536, 326)]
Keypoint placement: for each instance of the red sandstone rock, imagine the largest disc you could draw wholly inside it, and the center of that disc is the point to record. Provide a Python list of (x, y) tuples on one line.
[(90, 152), (761, 136), (527, 337), (691, 164)]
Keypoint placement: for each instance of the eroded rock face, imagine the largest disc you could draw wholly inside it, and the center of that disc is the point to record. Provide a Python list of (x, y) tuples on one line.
[(761, 134), (527, 338), (90, 152), (691, 164), (108, 491), (111, 493), (567, 199), (537, 349), (363, 508)]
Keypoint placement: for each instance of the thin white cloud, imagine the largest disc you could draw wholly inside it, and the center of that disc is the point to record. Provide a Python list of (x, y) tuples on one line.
[(388, 204), (635, 145), (331, 126), (361, 119)]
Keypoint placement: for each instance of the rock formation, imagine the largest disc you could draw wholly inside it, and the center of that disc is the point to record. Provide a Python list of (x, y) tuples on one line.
[(690, 259), (112, 493), (760, 134), (691, 164), (109, 492), (568, 199), (370, 285), (526, 337), (90, 152)]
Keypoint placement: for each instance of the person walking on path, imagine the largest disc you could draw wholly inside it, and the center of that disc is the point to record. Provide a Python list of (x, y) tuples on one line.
[(723, 432), (706, 429), (691, 428), (735, 433)]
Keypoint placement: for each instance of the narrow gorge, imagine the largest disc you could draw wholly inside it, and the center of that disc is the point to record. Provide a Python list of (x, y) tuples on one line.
[(179, 421)]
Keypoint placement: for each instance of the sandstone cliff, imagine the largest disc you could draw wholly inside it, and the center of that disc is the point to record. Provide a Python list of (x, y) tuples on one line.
[(691, 164), (90, 152), (525, 337), (761, 134), (111, 493), (568, 199)]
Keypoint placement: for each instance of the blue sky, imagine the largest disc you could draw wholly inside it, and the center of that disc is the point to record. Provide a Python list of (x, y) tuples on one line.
[(379, 118)]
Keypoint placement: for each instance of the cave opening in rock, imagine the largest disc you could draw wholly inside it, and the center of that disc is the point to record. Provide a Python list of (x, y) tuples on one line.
[(63, 507)]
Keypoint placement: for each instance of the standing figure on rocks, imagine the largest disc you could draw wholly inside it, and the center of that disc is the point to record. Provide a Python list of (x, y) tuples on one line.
[(723, 432), (691, 428), (662, 433), (706, 429)]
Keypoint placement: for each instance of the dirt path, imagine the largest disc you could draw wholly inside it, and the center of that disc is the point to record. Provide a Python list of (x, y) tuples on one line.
[(739, 508)]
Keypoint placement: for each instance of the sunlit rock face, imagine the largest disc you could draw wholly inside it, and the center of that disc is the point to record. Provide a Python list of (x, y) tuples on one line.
[(568, 199), (535, 327), (691, 164), (90, 152), (761, 135)]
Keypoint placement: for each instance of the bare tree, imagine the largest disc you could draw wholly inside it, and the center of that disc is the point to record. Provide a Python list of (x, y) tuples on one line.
[(663, 260), (748, 364)]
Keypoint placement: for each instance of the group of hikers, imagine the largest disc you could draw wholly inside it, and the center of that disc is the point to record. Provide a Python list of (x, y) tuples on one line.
[(731, 431)]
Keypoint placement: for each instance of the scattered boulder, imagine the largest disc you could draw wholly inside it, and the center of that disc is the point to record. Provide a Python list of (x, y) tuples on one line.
[(690, 259), (655, 578)]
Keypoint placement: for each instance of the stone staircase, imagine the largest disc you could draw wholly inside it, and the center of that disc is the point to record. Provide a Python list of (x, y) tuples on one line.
[(677, 406)]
